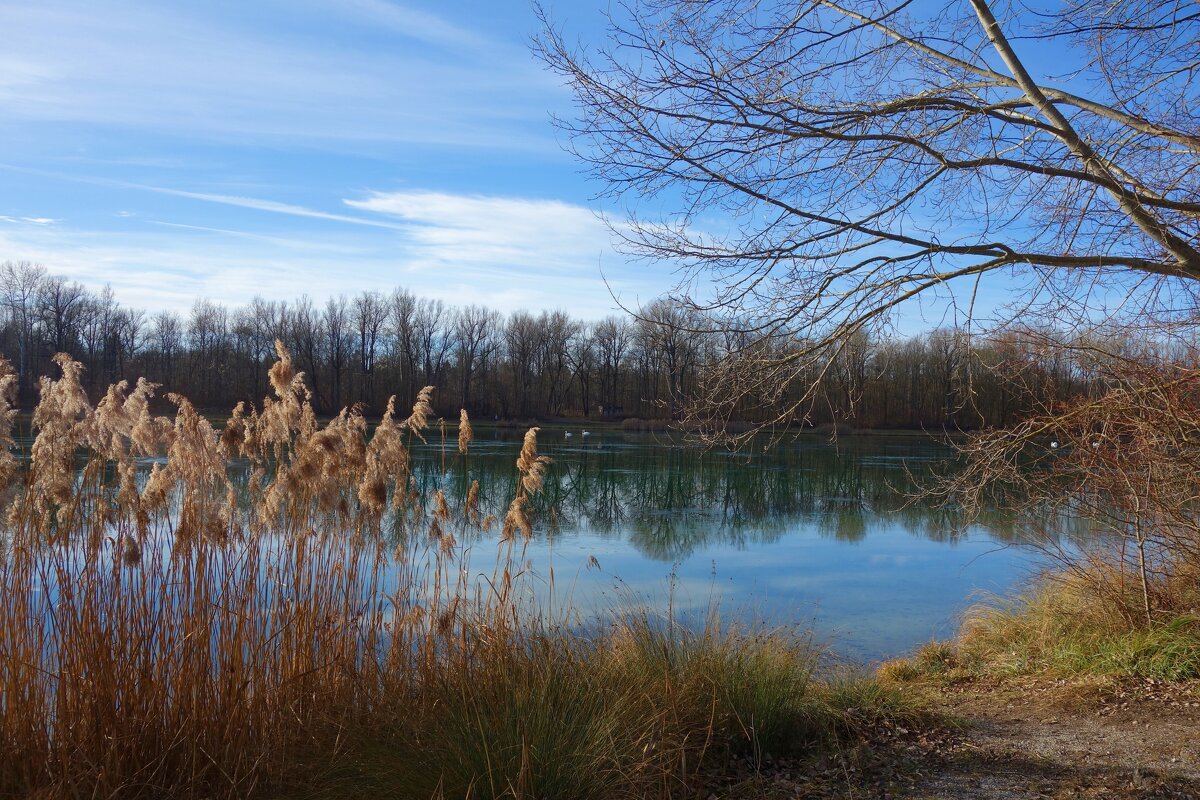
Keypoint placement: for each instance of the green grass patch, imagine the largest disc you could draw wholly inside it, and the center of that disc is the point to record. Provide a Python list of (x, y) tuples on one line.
[(1061, 627)]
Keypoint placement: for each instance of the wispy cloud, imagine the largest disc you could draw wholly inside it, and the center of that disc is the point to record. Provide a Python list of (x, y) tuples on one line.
[(180, 150), (236, 201), (412, 23), (500, 232), (275, 207), (217, 72), (534, 253), (27, 220), (298, 244)]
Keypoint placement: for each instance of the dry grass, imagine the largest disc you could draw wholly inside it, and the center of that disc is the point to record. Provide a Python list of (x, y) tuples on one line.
[(314, 632)]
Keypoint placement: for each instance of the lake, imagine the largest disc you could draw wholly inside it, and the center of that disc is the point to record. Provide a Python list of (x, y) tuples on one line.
[(821, 534)]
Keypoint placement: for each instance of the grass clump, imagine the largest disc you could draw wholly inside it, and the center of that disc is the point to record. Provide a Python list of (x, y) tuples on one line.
[(637, 708), (530, 719), (744, 692), (311, 625), (1063, 627)]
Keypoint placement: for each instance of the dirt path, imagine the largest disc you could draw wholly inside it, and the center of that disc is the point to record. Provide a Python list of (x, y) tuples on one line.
[(1053, 739), (1015, 739)]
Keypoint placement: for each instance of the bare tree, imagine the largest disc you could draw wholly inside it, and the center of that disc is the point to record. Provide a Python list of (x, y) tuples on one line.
[(207, 334), (432, 337), (129, 327), (268, 321), (402, 330), (20, 282), (166, 339), (1126, 459), (522, 340), (339, 344), (61, 305), (307, 337), (868, 155), (553, 365), (581, 353), (99, 324), (369, 317), (474, 326), (670, 336), (612, 337), (542, 364)]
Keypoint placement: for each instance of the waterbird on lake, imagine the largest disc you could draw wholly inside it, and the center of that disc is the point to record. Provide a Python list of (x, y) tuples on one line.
[(587, 433), (568, 434)]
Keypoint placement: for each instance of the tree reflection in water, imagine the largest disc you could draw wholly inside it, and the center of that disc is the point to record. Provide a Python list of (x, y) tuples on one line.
[(668, 500)]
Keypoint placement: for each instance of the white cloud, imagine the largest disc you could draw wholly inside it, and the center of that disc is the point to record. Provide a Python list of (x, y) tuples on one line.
[(537, 236), (211, 144), (505, 253)]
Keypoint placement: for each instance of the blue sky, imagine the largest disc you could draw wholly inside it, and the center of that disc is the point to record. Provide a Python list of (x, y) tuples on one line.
[(220, 149), (226, 149)]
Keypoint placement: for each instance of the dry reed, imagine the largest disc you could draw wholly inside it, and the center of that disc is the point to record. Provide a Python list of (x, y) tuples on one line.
[(172, 632), (465, 434)]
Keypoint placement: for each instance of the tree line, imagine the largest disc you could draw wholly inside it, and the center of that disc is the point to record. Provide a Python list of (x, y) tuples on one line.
[(522, 365)]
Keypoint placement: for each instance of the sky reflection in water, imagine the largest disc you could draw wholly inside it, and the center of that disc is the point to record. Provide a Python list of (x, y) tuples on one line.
[(810, 532)]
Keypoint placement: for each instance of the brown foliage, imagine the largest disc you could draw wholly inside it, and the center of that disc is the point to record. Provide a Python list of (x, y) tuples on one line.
[(1126, 458)]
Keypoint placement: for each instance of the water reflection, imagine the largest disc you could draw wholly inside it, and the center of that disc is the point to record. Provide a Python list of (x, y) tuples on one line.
[(669, 501), (808, 531)]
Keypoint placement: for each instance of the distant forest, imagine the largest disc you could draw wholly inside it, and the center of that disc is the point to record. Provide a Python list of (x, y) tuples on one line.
[(523, 365)]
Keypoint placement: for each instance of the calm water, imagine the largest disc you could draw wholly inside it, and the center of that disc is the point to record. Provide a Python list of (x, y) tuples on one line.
[(810, 532)]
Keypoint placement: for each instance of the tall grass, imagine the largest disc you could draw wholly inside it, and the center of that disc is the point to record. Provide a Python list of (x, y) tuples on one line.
[(318, 632), (1064, 626), (1069, 624)]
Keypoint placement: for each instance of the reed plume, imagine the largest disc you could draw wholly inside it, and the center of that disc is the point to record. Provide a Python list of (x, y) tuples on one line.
[(8, 411), (516, 519), (531, 465), (441, 509), (465, 434), (471, 506), (282, 375), (61, 419), (422, 410)]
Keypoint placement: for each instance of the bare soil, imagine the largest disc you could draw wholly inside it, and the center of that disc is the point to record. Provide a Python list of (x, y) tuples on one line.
[(1060, 739), (1020, 738)]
